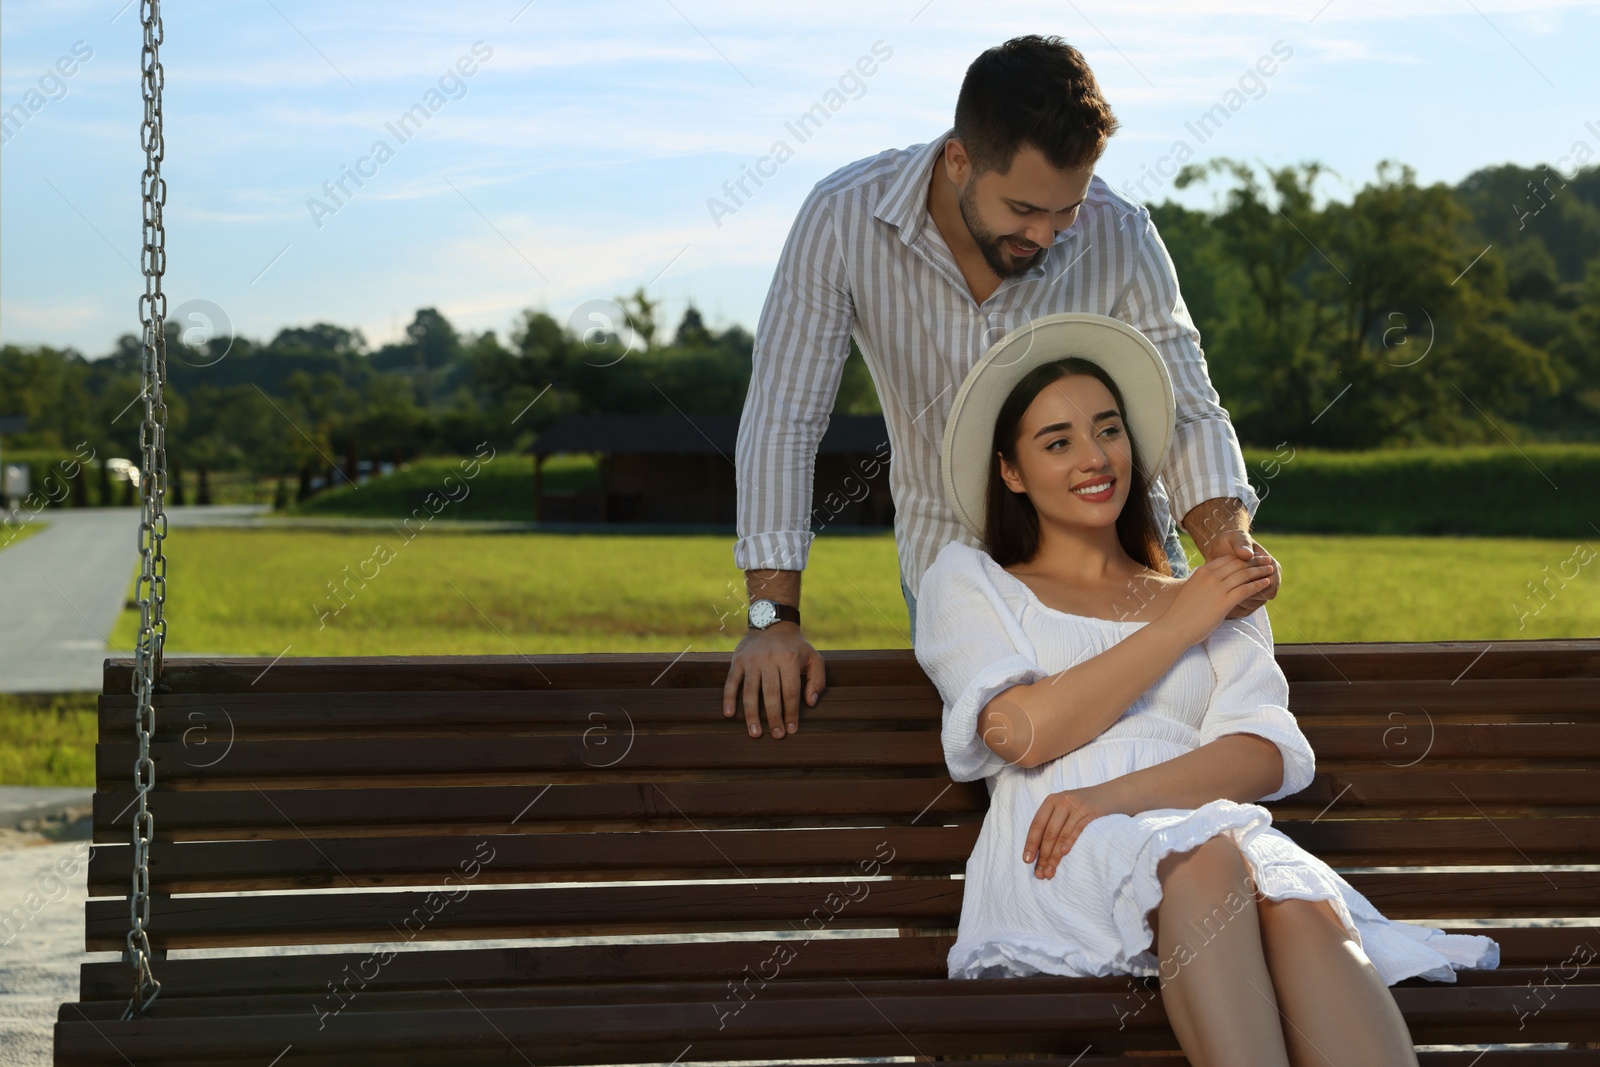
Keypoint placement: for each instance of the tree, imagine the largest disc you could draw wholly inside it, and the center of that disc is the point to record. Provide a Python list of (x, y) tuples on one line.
[(641, 314), (1378, 322), (692, 332)]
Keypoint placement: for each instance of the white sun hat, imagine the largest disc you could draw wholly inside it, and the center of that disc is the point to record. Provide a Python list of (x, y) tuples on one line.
[(1126, 355)]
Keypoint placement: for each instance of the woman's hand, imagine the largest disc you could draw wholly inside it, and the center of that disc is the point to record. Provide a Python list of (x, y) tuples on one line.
[(1060, 819), (1213, 590)]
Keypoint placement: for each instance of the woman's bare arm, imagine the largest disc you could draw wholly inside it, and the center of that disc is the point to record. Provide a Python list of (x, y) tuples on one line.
[(1238, 767), (1034, 723)]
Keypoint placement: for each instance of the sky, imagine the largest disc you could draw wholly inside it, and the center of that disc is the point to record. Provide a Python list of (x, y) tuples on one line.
[(560, 154)]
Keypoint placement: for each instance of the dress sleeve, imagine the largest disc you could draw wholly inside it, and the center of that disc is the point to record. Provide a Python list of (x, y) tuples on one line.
[(972, 648), (1251, 696)]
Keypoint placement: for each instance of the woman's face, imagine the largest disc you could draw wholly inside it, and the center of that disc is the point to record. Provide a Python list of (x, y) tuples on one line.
[(1073, 455)]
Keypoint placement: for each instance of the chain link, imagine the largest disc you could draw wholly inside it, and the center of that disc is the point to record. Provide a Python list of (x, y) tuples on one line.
[(152, 587)]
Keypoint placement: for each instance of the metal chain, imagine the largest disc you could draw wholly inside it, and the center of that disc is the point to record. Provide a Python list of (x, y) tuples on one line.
[(152, 587)]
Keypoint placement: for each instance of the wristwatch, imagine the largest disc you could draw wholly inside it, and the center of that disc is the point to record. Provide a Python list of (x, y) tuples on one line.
[(763, 613)]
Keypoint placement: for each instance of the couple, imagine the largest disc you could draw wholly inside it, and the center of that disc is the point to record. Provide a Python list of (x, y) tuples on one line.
[(1123, 835)]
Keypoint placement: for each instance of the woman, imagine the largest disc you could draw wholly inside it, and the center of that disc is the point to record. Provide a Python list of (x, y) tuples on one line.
[(1127, 727)]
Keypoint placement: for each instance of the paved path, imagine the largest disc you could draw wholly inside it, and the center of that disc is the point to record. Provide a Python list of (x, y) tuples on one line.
[(60, 593), (62, 589)]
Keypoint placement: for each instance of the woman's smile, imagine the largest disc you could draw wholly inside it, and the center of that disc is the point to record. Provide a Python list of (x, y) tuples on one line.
[(1097, 491)]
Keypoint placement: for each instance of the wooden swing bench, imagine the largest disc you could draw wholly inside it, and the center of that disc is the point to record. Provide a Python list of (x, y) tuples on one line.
[(385, 802)]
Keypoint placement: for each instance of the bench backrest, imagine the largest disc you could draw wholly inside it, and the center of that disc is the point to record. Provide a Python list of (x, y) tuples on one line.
[(450, 798)]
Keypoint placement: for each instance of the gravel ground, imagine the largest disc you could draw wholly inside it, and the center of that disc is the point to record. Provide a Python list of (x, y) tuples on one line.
[(42, 892)]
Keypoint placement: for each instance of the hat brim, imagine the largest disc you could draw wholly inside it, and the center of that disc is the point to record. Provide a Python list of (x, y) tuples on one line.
[(1127, 356)]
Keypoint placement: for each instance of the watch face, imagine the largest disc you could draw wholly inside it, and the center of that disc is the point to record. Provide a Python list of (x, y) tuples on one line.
[(762, 614)]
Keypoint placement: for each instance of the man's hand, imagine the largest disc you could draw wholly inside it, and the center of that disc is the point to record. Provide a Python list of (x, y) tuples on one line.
[(1239, 544), (1220, 528), (769, 664)]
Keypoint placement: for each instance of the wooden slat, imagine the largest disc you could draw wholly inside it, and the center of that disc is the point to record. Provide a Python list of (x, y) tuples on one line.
[(1504, 699), (302, 863), (252, 715), (333, 918), (1384, 661), (626, 995), (1332, 661), (479, 758), (1344, 842), (821, 957), (337, 863), (1397, 742), (730, 749), (270, 813), (342, 918), (263, 714), (829, 1019), (248, 811), (590, 670), (1429, 788), (1423, 790)]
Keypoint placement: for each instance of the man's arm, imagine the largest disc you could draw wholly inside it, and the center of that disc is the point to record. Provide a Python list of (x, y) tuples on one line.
[(802, 343), (1211, 519), (781, 586)]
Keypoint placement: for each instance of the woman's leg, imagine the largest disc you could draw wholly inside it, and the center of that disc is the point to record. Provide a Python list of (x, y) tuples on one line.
[(1215, 985), (1339, 1011)]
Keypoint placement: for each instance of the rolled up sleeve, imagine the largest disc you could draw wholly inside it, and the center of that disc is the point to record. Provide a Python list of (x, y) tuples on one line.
[(1251, 696), (972, 648), (802, 343), (1205, 461)]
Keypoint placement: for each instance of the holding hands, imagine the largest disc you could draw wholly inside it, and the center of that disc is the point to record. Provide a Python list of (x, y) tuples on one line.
[(1230, 585)]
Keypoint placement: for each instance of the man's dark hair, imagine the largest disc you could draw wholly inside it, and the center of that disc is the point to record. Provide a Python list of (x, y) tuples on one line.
[(1032, 90)]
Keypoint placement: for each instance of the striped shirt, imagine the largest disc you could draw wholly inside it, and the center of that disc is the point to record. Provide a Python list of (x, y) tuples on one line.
[(864, 259)]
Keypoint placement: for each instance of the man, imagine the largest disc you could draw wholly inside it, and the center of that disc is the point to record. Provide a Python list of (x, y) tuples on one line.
[(928, 256)]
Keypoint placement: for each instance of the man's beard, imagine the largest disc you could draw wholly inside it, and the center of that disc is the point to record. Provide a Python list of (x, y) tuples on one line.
[(1002, 262)]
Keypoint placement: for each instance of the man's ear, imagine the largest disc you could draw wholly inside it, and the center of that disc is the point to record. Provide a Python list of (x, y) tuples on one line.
[(957, 164)]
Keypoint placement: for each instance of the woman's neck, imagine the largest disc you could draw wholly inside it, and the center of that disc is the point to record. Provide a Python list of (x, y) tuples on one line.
[(1085, 557)]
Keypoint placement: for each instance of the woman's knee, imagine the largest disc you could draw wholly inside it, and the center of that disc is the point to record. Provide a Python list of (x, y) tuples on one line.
[(1299, 918), (1214, 860)]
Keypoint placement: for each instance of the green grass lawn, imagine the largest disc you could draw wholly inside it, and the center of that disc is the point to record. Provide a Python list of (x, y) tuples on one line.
[(47, 739), (257, 592)]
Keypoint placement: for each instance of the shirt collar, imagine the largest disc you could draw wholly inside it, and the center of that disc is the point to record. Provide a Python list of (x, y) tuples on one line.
[(904, 204)]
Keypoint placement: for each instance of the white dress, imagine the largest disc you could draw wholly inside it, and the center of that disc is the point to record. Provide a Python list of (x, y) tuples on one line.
[(981, 630)]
